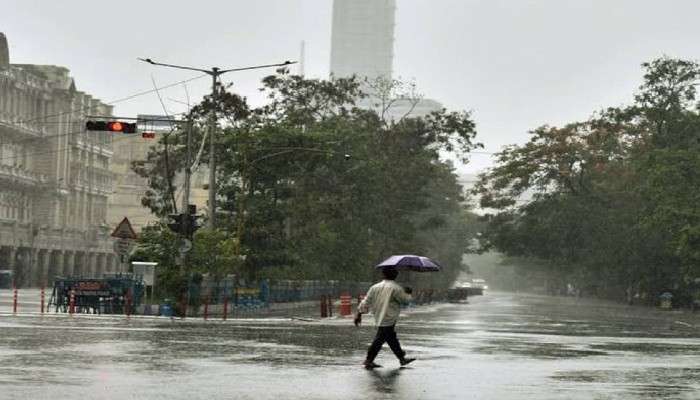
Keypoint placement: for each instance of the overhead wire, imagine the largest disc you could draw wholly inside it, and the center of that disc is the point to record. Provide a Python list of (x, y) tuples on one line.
[(112, 102), (165, 145), (53, 151)]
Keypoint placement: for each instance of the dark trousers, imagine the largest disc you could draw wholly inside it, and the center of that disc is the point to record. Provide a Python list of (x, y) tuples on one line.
[(385, 334)]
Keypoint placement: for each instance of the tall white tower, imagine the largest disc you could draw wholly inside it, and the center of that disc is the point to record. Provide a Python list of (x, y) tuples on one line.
[(362, 38)]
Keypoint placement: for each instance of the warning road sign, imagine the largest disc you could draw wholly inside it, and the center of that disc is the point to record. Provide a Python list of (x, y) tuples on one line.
[(124, 230)]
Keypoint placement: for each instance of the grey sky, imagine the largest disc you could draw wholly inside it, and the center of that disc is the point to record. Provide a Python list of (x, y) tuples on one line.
[(516, 64)]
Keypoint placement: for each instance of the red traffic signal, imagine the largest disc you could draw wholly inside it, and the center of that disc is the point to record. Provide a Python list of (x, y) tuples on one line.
[(115, 126), (111, 126)]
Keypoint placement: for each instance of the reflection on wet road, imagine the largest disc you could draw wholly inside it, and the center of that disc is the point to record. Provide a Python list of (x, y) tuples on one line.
[(500, 346)]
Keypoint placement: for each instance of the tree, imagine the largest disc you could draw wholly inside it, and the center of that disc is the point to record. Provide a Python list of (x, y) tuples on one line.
[(613, 199), (313, 187)]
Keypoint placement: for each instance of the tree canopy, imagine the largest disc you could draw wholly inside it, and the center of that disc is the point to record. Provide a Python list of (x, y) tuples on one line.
[(609, 204), (310, 186)]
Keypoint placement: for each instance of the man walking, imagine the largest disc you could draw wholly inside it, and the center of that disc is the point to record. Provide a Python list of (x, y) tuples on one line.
[(384, 299)]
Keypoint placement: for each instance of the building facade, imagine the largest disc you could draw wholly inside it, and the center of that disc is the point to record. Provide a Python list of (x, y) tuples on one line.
[(362, 38), (362, 45), (54, 176), (130, 188)]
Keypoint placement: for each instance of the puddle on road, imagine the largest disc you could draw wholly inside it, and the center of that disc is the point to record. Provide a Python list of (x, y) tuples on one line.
[(556, 351), (535, 349), (661, 349), (642, 383)]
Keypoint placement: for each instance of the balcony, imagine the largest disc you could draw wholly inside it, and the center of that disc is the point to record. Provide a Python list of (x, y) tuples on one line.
[(94, 188), (16, 126), (21, 176), (104, 149)]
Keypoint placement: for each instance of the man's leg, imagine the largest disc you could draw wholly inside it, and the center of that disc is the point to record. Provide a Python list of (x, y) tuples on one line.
[(393, 341), (376, 345)]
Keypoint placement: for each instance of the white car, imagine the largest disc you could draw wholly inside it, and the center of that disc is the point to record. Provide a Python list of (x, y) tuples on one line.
[(479, 284)]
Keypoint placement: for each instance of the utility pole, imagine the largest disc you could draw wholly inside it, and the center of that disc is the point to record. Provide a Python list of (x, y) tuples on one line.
[(212, 149), (188, 169), (214, 72), (186, 194)]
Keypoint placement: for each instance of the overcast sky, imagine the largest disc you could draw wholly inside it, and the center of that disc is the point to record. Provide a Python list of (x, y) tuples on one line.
[(516, 64)]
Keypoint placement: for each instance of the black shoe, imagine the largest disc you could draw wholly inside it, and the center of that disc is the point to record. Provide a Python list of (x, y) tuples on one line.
[(406, 361), (371, 365)]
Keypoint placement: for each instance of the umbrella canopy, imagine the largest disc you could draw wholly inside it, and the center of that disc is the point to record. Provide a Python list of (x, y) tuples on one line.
[(411, 263)]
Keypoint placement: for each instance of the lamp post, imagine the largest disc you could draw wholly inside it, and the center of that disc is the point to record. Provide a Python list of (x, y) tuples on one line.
[(214, 72)]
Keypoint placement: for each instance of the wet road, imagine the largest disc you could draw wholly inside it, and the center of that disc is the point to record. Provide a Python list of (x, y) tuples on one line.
[(500, 346)]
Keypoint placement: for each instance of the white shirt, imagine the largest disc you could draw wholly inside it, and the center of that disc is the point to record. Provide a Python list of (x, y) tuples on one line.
[(384, 299)]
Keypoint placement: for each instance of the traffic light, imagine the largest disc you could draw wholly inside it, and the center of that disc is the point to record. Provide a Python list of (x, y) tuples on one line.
[(177, 223), (192, 225), (111, 126), (184, 226)]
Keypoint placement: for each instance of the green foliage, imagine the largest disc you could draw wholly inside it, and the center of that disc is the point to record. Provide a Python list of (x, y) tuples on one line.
[(613, 200), (157, 243), (312, 187)]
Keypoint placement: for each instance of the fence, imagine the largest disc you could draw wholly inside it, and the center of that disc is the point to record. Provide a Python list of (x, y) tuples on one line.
[(260, 294)]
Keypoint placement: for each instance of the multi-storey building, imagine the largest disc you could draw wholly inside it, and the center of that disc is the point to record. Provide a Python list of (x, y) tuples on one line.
[(54, 176), (362, 45), (130, 188), (362, 38)]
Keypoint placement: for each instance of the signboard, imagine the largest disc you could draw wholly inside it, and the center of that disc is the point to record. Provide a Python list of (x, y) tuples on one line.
[(124, 230), (92, 288), (122, 247), (185, 246), (146, 269), (156, 123)]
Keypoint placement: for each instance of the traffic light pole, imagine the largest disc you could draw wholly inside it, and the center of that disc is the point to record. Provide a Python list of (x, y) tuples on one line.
[(214, 73), (212, 149)]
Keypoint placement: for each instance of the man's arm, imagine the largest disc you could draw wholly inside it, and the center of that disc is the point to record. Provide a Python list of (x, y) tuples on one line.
[(403, 295), (363, 307)]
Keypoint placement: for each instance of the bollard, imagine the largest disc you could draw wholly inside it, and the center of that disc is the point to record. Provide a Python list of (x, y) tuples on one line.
[(127, 303), (324, 307), (71, 302), (225, 307), (42, 295), (206, 308), (14, 301), (345, 304), (183, 305)]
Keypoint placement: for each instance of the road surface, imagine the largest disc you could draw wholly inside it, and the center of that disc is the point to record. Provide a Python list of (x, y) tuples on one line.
[(499, 346)]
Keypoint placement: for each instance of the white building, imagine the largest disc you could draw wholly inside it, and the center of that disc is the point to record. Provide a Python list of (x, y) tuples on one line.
[(130, 188), (54, 176), (362, 38), (362, 44)]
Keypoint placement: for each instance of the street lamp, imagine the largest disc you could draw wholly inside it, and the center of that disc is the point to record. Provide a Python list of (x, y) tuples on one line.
[(214, 72)]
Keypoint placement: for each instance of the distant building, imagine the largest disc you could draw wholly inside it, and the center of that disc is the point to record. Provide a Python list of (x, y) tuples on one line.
[(55, 177), (130, 188), (362, 44), (362, 38)]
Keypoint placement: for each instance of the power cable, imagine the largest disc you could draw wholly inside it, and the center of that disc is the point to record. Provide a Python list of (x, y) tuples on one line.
[(120, 100), (58, 134), (57, 150)]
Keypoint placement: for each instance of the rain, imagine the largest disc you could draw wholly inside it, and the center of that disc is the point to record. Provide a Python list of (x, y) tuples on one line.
[(345, 199)]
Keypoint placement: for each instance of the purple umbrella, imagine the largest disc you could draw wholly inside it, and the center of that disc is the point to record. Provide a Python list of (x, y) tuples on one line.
[(411, 263)]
